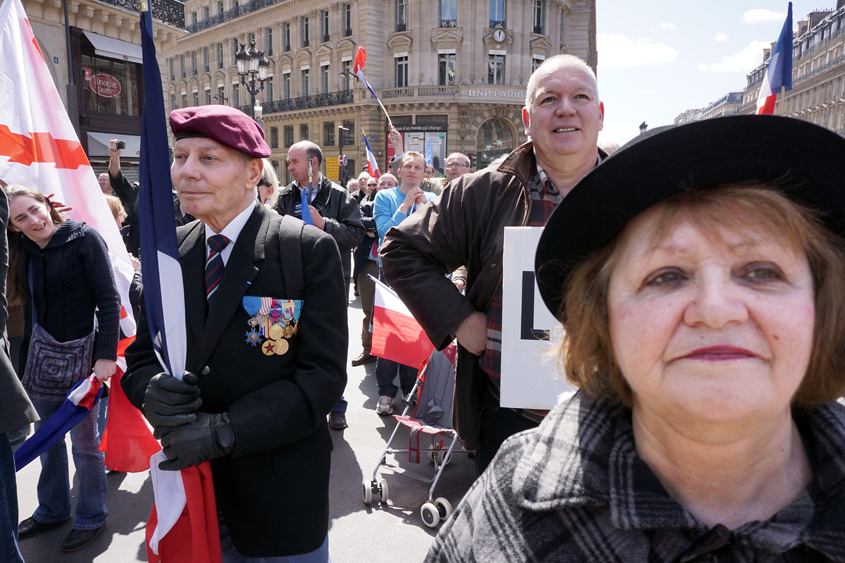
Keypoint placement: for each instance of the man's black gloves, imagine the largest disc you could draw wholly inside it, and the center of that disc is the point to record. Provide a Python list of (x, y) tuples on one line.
[(170, 402), (210, 436)]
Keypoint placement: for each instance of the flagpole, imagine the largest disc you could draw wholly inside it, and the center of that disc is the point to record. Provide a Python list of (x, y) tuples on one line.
[(783, 100)]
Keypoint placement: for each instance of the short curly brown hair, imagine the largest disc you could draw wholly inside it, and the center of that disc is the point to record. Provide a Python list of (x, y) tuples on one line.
[(587, 353)]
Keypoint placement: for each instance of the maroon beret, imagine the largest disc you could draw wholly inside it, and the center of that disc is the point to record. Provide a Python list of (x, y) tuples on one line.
[(226, 125)]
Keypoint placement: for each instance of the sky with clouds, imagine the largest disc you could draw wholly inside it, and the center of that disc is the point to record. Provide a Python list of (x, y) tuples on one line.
[(658, 58)]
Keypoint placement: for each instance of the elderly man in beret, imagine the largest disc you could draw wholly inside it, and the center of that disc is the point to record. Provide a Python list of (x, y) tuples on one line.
[(263, 294)]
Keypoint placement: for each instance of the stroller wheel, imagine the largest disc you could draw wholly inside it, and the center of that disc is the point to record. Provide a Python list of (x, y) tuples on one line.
[(367, 492), (444, 508), (430, 515), (382, 485), (437, 458)]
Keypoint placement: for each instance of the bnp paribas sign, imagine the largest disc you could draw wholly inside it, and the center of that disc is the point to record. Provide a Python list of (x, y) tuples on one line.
[(513, 94)]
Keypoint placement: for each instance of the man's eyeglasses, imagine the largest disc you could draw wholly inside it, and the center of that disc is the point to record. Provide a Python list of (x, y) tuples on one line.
[(371, 185), (456, 165)]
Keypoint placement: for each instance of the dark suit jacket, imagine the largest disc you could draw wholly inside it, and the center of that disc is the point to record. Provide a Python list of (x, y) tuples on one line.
[(15, 409), (273, 489)]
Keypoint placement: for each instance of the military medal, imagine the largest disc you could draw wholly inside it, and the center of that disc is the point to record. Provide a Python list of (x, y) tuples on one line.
[(252, 337), (271, 322), (281, 347), (276, 332), (288, 331), (268, 347)]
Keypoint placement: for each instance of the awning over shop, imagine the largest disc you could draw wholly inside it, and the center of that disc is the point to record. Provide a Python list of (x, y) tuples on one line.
[(98, 144), (115, 48)]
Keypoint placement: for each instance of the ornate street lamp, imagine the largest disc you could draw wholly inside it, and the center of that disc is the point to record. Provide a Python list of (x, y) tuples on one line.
[(252, 66)]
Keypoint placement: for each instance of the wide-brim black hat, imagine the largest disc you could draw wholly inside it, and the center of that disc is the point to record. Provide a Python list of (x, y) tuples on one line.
[(802, 160)]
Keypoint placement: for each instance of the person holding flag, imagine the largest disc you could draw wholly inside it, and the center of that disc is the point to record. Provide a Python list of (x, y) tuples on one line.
[(263, 295), (61, 270)]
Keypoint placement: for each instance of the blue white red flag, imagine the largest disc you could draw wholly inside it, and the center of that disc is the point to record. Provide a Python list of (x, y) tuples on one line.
[(428, 159), (779, 72), (372, 165), (358, 69), (165, 308), (78, 404)]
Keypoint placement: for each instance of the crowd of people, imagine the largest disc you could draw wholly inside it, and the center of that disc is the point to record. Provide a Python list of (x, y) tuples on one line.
[(696, 272)]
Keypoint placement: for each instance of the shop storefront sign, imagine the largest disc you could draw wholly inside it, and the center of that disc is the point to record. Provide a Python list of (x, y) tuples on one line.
[(105, 85), (514, 94)]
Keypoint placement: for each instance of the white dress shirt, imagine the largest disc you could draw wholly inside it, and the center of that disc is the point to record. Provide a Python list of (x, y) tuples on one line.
[(231, 231)]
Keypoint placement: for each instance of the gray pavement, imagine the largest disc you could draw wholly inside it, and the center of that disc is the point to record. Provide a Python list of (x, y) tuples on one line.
[(391, 533)]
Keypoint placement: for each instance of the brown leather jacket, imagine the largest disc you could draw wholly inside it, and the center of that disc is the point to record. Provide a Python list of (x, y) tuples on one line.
[(465, 226)]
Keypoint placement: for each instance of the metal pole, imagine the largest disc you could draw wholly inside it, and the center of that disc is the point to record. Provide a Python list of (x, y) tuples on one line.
[(72, 102)]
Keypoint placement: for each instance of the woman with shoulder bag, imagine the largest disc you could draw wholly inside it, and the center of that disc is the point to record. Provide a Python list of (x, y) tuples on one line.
[(62, 271)]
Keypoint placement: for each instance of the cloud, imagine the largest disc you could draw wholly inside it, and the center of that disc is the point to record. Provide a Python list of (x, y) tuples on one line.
[(648, 92), (761, 16), (743, 61), (618, 51), (619, 132), (720, 38), (665, 27)]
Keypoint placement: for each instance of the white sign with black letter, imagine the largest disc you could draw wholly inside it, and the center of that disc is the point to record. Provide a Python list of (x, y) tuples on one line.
[(530, 375)]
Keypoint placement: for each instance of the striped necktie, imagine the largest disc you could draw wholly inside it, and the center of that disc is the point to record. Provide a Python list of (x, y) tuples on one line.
[(214, 265)]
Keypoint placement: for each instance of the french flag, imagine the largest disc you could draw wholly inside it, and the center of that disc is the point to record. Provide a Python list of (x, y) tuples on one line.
[(397, 335), (372, 165), (183, 523), (779, 72)]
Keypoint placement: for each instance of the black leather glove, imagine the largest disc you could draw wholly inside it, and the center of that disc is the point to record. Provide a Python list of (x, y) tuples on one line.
[(170, 402), (210, 436)]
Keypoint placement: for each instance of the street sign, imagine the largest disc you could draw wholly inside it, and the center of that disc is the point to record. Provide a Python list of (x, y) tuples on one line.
[(345, 160)]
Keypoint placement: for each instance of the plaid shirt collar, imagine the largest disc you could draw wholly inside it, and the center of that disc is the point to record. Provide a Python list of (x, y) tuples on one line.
[(542, 187), (584, 455)]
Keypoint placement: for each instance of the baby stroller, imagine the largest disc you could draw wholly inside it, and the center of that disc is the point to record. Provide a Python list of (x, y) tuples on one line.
[(432, 416)]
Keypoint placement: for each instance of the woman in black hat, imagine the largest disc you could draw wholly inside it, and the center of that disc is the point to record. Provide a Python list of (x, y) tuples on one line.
[(698, 274)]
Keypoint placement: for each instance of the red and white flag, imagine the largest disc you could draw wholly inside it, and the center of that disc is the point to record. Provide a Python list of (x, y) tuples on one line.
[(397, 335), (39, 147)]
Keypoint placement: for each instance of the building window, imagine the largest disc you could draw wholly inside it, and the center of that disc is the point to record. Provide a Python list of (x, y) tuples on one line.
[(288, 135), (497, 134), (208, 96), (306, 86), (540, 17), (285, 37), (401, 72), (236, 95), (196, 98), (349, 136), (234, 49), (268, 41), (328, 134), (535, 64), (205, 12), (324, 26), (446, 72), (193, 63), (184, 100), (270, 92), (304, 33), (496, 69), (274, 137), (303, 132), (324, 79), (205, 67), (562, 25), (194, 18), (173, 105), (401, 15), (347, 20), (497, 13), (448, 13), (220, 95), (286, 86), (219, 6), (182, 65), (220, 55), (172, 73), (346, 73), (250, 39)]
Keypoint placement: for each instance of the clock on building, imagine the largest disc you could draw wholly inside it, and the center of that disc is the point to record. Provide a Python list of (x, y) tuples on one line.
[(499, 35)]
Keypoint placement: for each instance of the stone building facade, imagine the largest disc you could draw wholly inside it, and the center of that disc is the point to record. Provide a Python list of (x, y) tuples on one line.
[(452, 74), (818, 72), (105, 63)]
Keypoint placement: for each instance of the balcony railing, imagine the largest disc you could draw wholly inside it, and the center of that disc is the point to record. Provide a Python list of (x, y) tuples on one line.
[(306, 42), (308, 102), (438, 91), (347, 32), (166, 11), (538, 29), (819, 69), (398, 93), (494, 23), (448, 23), (326, 38), (401, 27)]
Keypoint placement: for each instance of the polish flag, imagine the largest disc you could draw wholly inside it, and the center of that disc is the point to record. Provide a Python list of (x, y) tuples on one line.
[(39, 147), (397, 335), (779, 72)]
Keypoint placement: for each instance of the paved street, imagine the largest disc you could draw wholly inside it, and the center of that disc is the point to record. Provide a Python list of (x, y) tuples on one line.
[(358, 533)]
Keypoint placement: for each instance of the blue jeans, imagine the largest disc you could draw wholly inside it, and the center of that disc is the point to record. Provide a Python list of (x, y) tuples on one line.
[(386, 373), (54, 483), (8, 504)]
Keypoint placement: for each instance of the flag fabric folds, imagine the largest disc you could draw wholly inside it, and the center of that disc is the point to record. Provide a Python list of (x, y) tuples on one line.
[(39, 147), (78, 404), (372, 165), (358, 69), (779, 72), (165, 309), (428, 158), (127, 439), (397, 335)]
